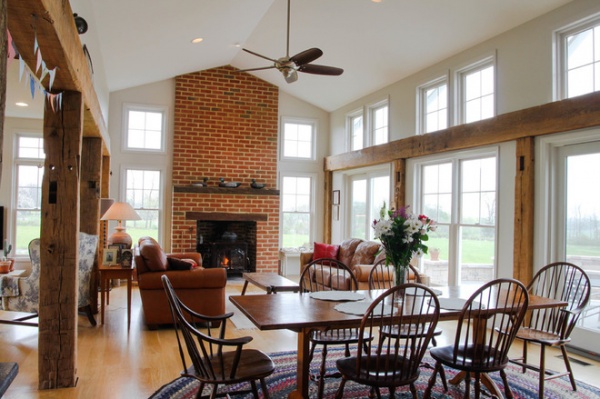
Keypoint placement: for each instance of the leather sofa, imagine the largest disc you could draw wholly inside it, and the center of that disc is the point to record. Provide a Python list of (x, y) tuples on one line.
[(359, 255), (203, 290)]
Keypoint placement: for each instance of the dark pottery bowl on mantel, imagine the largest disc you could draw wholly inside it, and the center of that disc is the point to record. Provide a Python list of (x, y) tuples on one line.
[(256, 185)]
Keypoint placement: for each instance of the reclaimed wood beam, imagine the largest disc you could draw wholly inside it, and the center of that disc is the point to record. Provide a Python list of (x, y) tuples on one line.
[(556, 117), (52, 22), (3, 50), (524, 210), (59, 245)]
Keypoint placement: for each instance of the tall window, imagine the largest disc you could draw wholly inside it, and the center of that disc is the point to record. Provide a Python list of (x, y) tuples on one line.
[(433, 106), (355, 126), (296, 210), (368, 194), (579, 49), (379, 124), (143, 191), (144, 128), (477, 86), (29, 165), (298, 139), (460, 194)]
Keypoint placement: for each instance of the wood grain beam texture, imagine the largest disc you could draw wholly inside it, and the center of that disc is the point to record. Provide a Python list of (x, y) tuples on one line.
[(524, 210), (51, 21), (59, 253)]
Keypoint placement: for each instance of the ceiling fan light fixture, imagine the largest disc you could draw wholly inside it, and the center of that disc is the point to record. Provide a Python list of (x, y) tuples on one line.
[(197, 40)]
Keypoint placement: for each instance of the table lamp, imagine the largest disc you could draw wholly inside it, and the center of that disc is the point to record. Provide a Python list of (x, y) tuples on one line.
[(120, 211)]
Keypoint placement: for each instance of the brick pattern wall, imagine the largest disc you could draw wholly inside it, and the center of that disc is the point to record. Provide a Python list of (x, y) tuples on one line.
[(226, 125)]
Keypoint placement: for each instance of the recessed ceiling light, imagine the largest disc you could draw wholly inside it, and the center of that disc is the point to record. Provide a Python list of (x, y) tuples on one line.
[(197, 40), (377, 1), (22, 104)]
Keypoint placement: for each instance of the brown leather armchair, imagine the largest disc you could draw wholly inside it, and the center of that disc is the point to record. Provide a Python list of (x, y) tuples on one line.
[(203, 290)]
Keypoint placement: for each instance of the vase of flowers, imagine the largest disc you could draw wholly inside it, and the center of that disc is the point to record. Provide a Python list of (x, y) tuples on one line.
[(402, 234)]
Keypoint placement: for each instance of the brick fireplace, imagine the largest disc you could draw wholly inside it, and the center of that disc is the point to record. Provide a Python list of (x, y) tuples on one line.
[(226, 125)]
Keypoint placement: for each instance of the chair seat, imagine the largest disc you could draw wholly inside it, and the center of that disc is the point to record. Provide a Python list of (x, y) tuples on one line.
[(539, 336), (392, 370), (469, 358), (253, 364), (335, 336)]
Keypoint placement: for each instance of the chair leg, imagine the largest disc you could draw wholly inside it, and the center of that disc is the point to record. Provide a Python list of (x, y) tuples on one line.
[(213, 394), (568, 366), (507, 391), (524, 356), (477, 385), (263, 385), (254, 390), (413, 390), (542, 375), (340, 392), (322, 372), (90, 315), (431, 383), (468, 385)]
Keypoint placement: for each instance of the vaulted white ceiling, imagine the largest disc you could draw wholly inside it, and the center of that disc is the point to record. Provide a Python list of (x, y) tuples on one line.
[(144, 41)]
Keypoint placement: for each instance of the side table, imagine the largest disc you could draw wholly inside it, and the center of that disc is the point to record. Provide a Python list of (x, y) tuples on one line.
[(108, 273)]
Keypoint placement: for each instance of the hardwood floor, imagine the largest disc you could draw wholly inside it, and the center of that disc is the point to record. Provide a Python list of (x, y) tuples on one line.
[(115, 363)]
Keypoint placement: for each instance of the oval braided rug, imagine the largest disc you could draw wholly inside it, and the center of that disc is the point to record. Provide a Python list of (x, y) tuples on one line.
[(283, 381)]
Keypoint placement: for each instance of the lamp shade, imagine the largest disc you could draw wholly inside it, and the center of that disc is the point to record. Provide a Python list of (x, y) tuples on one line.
[(120, 211)]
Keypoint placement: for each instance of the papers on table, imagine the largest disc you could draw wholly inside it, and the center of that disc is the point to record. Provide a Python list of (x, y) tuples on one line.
[(337, 296)]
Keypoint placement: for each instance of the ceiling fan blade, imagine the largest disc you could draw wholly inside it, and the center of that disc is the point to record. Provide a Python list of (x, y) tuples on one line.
[(320, 69), (256, 69), (306, 56), (260, 55)]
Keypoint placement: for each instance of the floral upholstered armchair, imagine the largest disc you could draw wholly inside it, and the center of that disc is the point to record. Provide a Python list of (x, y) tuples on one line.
[(21, 294)]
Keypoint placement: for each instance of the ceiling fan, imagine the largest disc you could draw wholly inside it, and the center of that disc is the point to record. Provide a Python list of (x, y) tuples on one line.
[(301, 62)]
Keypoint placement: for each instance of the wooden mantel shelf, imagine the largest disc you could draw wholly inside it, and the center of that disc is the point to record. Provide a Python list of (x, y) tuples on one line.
[(226, 217), (224, 190)]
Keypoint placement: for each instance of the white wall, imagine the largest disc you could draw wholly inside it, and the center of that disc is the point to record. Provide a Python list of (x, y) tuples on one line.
[(524, 73)]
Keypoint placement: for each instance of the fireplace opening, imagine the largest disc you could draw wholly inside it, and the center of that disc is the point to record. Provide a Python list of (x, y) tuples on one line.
[(227, 244)]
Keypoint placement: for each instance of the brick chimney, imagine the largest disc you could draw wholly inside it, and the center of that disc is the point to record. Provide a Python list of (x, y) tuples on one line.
[(226, 125)]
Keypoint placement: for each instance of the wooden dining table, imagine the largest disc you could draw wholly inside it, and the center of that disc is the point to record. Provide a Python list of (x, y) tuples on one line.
[(301, 313)]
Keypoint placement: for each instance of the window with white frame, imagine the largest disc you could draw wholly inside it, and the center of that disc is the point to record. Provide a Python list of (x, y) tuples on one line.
[(298, 138), (29, 169), (460, 194), (379, 123), (579, 58), (368, 193), (477, 91), (356, 131), (296, 210), (143, 191), (144, 128), (433, 106)]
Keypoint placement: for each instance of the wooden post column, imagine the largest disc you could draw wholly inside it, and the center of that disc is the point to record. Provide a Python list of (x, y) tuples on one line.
[(398, 184), (3, 52), (57, 342), (91, 178), (524, 209)]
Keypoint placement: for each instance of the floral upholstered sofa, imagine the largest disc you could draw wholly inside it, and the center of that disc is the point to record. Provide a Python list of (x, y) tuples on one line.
[(359, 255)]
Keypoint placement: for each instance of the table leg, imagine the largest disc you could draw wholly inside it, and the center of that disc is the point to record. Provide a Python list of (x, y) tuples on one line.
[(244, 287), (129, 283), (303, 363), (102, 303)]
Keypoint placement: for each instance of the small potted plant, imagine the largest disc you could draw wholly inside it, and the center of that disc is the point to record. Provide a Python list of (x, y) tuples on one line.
[(6, 264)]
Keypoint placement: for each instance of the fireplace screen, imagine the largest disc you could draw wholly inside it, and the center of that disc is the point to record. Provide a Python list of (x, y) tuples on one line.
[(230, 255)]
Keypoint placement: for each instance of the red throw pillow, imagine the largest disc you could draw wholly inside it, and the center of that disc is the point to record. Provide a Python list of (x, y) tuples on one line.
[(325, 251)]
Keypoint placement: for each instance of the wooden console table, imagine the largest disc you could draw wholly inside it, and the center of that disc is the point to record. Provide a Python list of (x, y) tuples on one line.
[(108, 273)]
